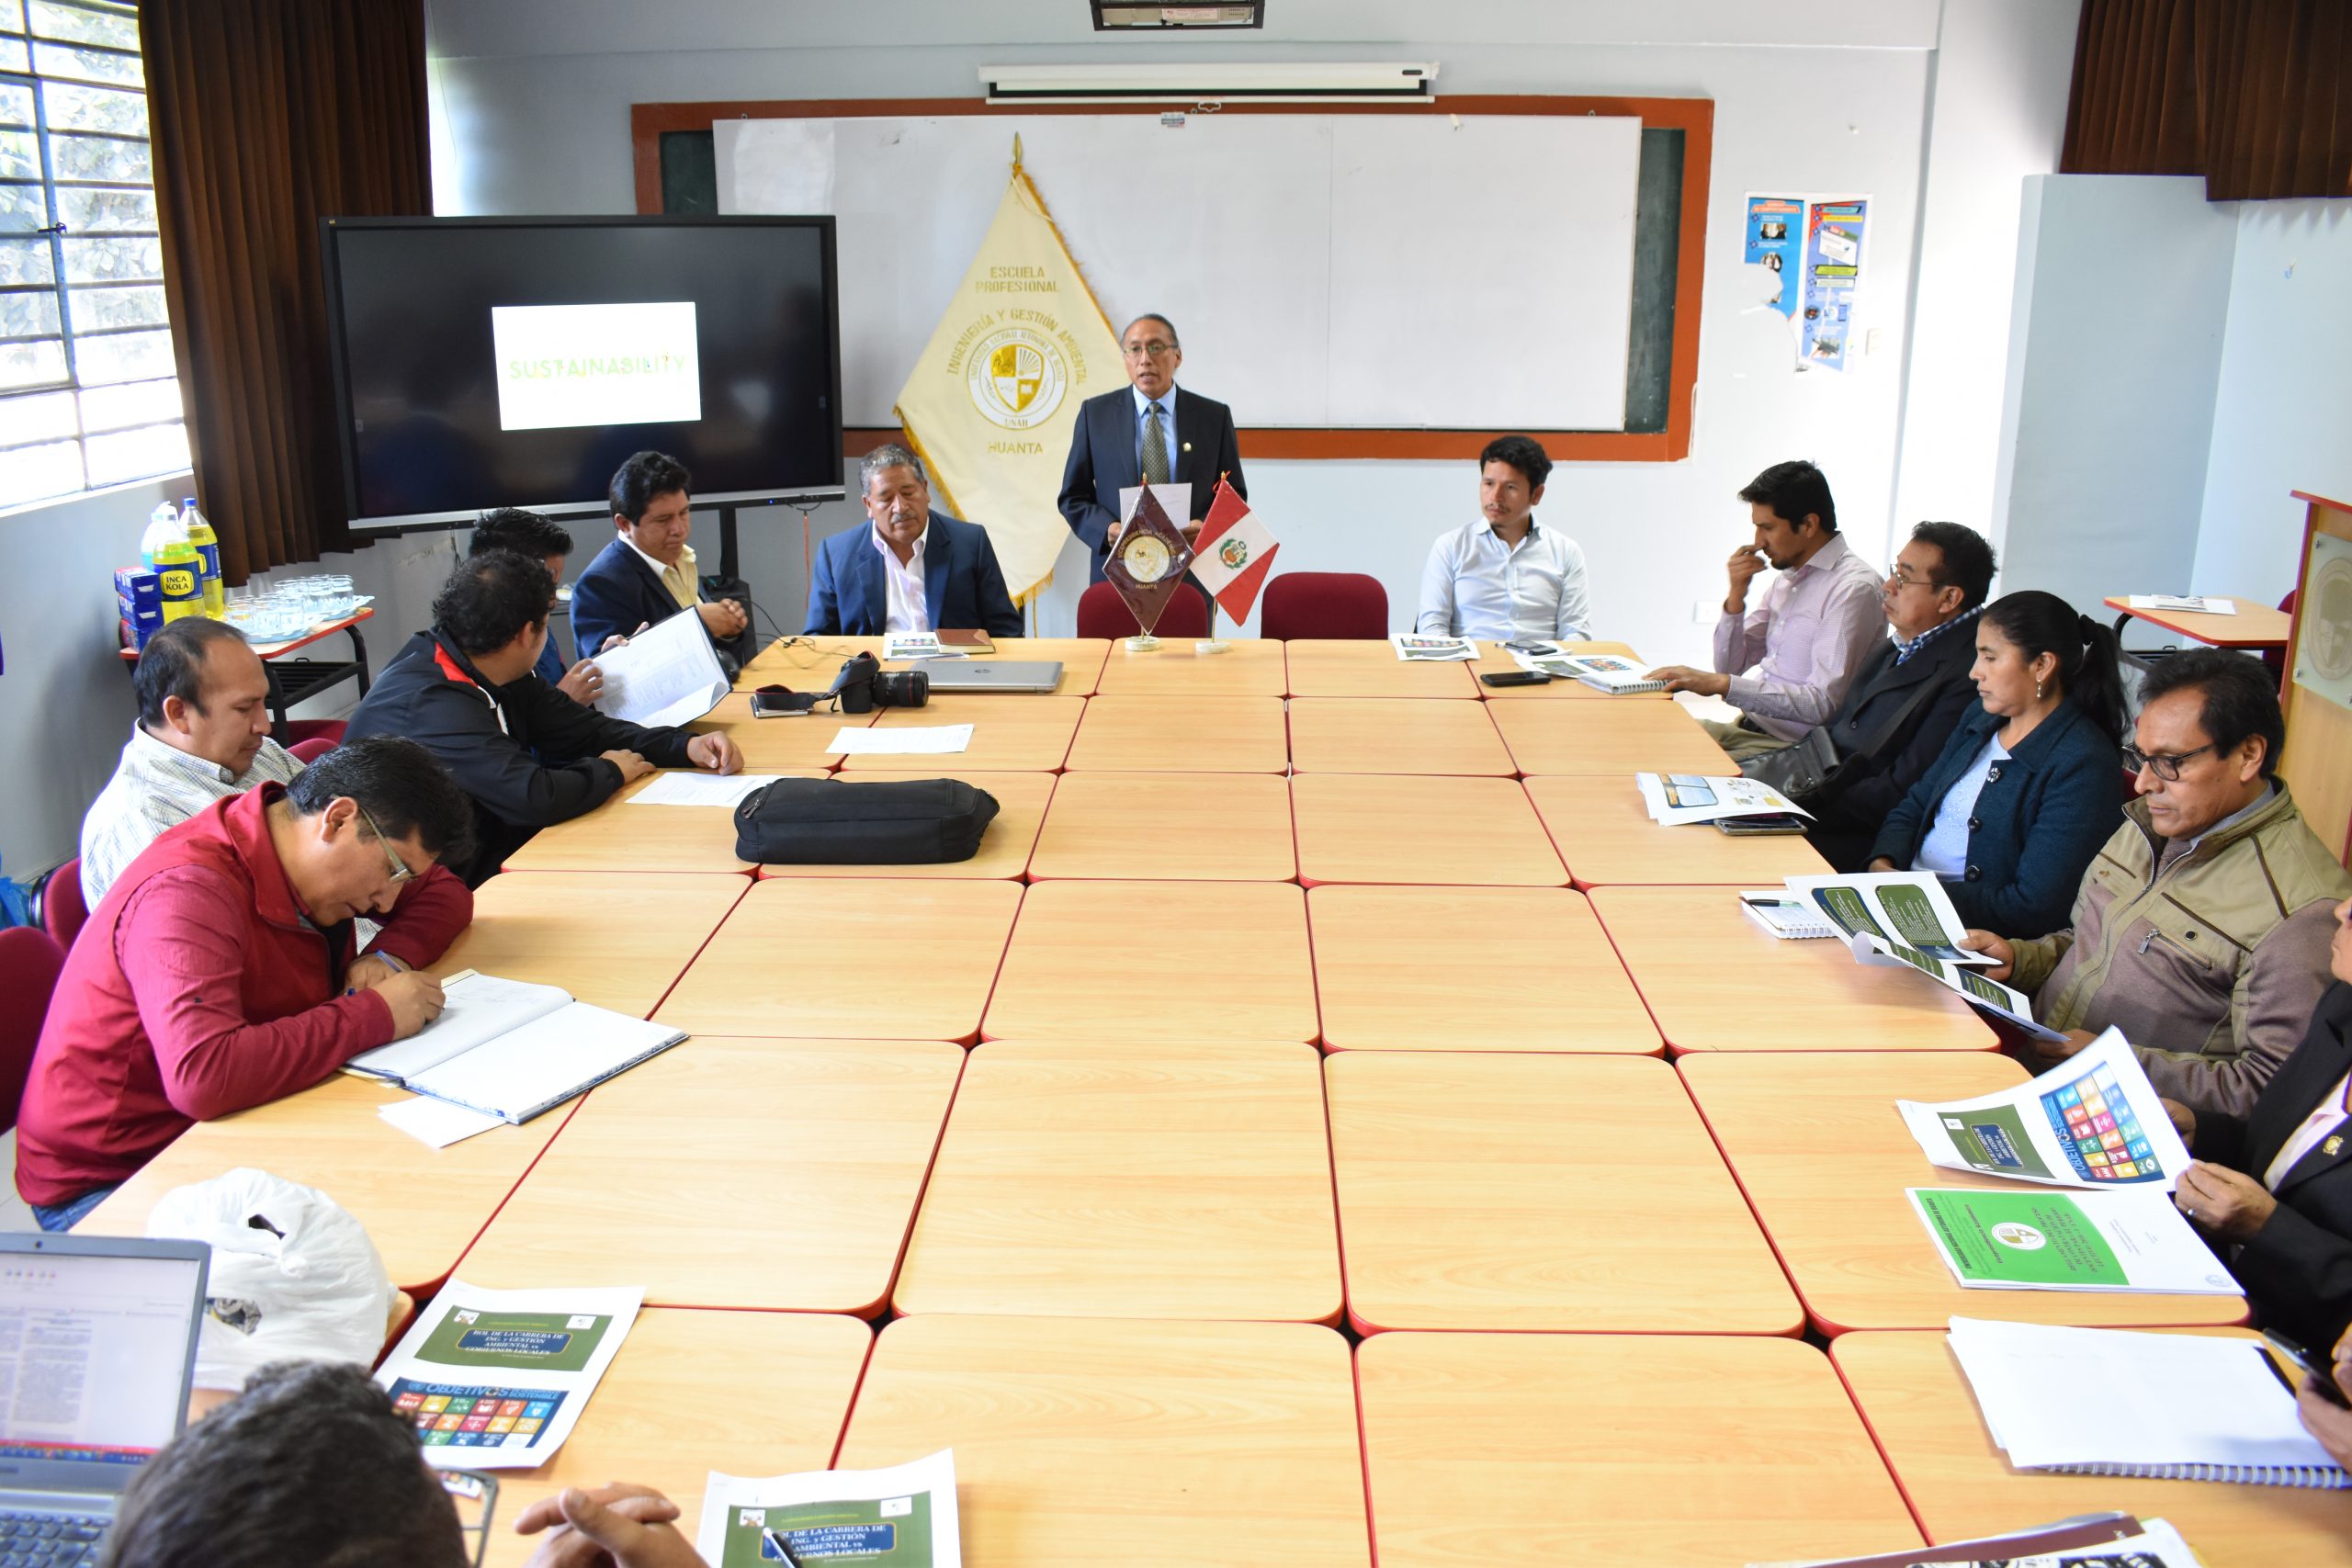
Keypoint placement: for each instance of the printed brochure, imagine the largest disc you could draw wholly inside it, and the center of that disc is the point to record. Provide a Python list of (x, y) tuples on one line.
[(495, 1379), (899, 1518), (2092, 1120)]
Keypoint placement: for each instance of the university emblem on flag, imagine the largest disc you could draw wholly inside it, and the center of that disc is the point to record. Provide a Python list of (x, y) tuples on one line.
[(1233, 553), (1018, 377)]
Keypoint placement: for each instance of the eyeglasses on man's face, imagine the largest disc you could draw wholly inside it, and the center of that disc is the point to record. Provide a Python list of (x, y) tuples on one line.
[(2165, 765), (1902, 579), (397, 870), (1154, 349)]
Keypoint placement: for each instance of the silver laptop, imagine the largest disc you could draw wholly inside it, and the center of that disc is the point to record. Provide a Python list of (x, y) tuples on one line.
[(97, 1351), (990, 674)]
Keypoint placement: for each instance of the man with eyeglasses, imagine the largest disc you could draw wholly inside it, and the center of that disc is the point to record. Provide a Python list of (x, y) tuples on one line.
[(1910, 692), (528, 755), (1150, 430), (311, 1465), (2202, 929), (219, 972)]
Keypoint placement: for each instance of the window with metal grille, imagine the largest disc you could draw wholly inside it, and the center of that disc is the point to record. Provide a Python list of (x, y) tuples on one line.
[(89, 394)]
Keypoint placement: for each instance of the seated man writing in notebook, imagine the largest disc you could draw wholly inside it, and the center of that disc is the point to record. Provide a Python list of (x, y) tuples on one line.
[(219, 973), (2202, 929), (528, 755), (1786, 664), (911, 569), (311, 1465)]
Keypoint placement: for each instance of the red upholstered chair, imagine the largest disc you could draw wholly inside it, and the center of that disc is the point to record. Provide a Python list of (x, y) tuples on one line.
[(61, 908), (1102, 613), (311, 750), (1324, 604), (299, 730), (29, 963)]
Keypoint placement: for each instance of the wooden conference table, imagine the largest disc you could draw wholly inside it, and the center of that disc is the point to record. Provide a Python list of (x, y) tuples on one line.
[(1291, 986)]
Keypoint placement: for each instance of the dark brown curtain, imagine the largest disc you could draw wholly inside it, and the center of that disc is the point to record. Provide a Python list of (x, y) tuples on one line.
[(2254, 95), (268, 116)]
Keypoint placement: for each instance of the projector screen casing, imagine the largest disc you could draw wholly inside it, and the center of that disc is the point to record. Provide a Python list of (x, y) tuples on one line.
[(409, 304)]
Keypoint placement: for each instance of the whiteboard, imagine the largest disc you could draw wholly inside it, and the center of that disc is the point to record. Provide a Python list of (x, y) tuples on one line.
[(1325, 271)]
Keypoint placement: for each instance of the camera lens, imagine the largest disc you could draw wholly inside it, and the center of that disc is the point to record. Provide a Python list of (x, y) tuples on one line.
[(902, 689)]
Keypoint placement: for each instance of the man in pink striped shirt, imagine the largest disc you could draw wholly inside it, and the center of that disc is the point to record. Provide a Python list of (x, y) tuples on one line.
[(1787, 664)]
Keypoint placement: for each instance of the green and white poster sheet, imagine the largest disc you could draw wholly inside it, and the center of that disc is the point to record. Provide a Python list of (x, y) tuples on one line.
[(2130, 1240), (1909, 908), (2092, 1120), (495, 1379), (899, 1518)]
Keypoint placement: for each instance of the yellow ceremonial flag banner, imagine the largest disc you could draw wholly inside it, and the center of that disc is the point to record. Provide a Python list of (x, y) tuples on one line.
[(990, 405)]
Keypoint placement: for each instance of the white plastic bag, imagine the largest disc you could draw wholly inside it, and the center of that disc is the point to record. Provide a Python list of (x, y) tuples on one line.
[(294, 1277)]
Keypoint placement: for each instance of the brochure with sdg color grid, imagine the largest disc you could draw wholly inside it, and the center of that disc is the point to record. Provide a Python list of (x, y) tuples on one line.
[(495, 1379), (2092, 1120)]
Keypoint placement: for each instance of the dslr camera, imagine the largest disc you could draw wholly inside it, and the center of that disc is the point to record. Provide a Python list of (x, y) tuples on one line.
[(862, 686)]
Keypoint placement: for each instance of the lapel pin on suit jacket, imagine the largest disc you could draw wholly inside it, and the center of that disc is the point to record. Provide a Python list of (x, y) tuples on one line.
[(1185, 446)]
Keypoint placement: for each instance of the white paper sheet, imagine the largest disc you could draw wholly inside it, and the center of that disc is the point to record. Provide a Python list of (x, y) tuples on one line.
[(495, 1379), (436, 1122), (476, 1008), (2063, 1398), (2186, 604), (921, 740), (676, 786), (667, 674), (908, 647), (1414, 649)]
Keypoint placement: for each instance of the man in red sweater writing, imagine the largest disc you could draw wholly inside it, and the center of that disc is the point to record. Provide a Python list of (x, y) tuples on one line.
[(218, 973)]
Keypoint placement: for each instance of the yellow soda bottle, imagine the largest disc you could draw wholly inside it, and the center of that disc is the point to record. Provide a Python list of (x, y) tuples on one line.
[(180, 571), (207, 553)]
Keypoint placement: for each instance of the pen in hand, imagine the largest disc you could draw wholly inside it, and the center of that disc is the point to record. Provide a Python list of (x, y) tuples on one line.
[(782, 1553)]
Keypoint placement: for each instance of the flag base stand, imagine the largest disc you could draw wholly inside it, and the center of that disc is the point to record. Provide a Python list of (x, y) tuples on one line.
[(1143, 642), (1211, 645)]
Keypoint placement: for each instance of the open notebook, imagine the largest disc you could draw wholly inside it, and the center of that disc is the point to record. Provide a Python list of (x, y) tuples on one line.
[(511, 1050)]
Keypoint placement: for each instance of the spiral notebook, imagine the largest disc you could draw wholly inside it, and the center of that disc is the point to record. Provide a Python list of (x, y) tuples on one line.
[(2158, 1406)]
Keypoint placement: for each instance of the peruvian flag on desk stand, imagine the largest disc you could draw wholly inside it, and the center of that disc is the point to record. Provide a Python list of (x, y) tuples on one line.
[(1232, 556)]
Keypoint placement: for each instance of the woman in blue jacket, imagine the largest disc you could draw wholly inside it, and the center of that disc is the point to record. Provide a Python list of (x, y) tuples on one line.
[(2028, 787)]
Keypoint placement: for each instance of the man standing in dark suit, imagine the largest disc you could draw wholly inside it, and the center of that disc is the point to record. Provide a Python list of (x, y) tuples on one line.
[(647, 573), (911, 569), (1152, 433), (1910, 691)]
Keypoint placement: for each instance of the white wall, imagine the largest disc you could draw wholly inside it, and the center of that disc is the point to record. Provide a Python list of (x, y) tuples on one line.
[(548, 132), (2123, 287), (2282, 416), (65, 702), (65, 699), (1997, 88)]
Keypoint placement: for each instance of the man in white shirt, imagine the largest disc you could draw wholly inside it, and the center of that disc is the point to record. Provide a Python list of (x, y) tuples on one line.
[(911, 568), (1787, 665), (202, 735), (1506, 577)]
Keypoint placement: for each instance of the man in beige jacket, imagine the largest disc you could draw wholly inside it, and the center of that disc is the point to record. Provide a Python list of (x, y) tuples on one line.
[(2202, 929)]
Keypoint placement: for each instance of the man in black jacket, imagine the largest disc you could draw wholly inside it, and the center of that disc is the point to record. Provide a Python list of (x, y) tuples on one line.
[(528, 755), (1911, 690)]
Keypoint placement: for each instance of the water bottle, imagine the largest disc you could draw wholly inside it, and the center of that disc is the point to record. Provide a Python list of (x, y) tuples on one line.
[(178, 568), (160, 523), (207, 549)]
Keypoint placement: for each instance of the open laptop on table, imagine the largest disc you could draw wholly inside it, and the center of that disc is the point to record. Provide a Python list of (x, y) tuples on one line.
[(97, 1350), (997, 675)]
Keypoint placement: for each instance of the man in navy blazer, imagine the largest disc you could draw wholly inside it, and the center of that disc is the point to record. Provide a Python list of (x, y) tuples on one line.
[(1108, 446), (647, 574), (910, 568)]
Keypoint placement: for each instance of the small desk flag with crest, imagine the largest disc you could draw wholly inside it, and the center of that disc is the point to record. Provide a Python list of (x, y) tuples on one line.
[(1232, 553)]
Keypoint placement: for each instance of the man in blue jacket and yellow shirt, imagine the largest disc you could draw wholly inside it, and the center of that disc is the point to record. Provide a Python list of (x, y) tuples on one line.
[(911, 569)]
